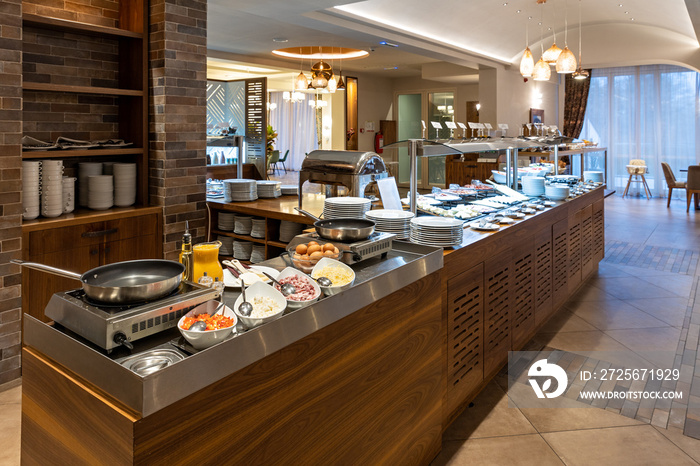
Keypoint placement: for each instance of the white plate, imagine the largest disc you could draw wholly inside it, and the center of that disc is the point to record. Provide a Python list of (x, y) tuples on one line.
[(438, 223), (485, 227), (506, 221), (426, 200), (231, 281)]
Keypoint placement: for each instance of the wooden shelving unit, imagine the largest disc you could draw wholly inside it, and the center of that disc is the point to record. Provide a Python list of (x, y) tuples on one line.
[(63, 154), (75, 26), (80, 89)]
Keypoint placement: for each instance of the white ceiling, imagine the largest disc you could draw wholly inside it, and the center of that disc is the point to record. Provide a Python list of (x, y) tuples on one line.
[(469, 34)]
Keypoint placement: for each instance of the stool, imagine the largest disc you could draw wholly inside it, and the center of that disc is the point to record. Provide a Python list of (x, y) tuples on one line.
[(636, 169)]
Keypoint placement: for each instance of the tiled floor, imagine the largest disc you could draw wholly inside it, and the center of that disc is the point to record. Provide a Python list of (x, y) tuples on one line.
[(631, 307)]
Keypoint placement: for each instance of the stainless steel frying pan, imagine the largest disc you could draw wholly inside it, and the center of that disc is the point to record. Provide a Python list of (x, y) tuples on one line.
[(123, 282), (345, 230)]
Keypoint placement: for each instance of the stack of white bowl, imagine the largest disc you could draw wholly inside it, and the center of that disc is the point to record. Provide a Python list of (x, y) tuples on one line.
[(288, 230), (533, 186), (397, 222), (226, 248), (289, 189), (51, 188), (258, 254), (345, 207), (124, 184), (243, 224), (269, 188), (258, 229), (593, 176), (242, 250), (226, 221), (31, 189), (557, 192), (100, 192), (86, 169), (236, 190), (68, 194)]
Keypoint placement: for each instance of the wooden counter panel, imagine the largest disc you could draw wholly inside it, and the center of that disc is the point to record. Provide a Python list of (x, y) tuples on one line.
[(598, 218), (281, 208), (63, 422), (522, 315), (365, 390), (498, 274), (574, 275), (543, 276), (560, 262)]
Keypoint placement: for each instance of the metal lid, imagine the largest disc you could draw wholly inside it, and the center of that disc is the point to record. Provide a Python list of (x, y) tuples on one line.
[(343, 162), (152, 361)]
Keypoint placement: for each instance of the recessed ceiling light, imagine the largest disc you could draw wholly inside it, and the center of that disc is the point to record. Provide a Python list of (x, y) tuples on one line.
[(388, 44), (620, 5), (631, 19), (280, 39), (391, 68), (518, 11), (627, 12), (505, 4)]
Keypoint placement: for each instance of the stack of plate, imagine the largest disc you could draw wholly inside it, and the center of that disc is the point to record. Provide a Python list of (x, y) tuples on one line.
[(436, 231), (51, 188), (345, 207), (226, 248), (593, 176), (226, 221), (242, 250), (397, 222), (258, 254), (288, 230), (86, 169), (124, 183), (258, 228), (557, 192), (289, 190), (68, 183), (533, 185), (236, 190), (269, 188), (31, 182), (243, 224), (100, 192)]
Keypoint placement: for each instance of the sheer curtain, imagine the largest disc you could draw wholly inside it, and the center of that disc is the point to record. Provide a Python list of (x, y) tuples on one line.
[(645, 112), (295, 124)]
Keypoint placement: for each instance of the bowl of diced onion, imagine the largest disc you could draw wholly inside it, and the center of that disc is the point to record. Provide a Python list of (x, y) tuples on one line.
[(307, 290), (268, 304), (219, 326), (340, 274)]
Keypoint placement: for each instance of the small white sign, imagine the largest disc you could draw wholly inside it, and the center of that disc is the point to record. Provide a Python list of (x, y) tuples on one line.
[(436, 124), (488, 126), (473, 125), (503, 126), (451, 124), (480, 125), (389, 193), (422, 122), (462, 125)]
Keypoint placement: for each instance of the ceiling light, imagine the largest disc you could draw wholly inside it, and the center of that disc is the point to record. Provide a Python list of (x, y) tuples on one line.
[(321, 53), (541, 72), (388, 44), (301, 82), (527, 64), (280, 39), (551, 54), (580, 73), (566, 62), (332, 84)]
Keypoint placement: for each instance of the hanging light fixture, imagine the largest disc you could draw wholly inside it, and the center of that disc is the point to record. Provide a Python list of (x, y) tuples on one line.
[(301, 82), (527, 63), (541, 72), (566, 63), (579, 73), (321, 72), (552, 53)]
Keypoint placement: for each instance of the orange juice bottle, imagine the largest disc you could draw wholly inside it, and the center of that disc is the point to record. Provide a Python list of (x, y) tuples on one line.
[(206, 259)]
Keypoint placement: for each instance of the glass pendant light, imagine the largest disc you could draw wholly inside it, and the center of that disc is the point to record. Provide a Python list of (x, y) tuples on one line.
[(332, 84), (566, 63), (579, 73), (541, 72), (301, 83), (551, 54), (527, 63)]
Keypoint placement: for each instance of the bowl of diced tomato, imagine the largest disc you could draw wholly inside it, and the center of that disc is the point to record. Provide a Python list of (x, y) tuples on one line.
[(219, 326)]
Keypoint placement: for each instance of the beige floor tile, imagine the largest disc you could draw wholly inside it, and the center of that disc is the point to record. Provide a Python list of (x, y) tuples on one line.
[(523, 450), (489, 417), (669, 310), (632, 288), (657, 345), (565, 321), (642, 272), (590, 292), (11, 394), (10, 419), (610, 270), (680, 285), (689, 445), (614, 314), (634, 445)]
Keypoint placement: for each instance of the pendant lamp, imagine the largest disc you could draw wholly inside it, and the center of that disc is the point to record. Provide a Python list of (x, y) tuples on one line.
[(527, 64), (552, 54), (566, 63), (580, 73), (301, 83), (541, 72)]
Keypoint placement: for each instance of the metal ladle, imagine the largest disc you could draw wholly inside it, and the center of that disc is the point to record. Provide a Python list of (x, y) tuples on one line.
[(200, 325), (324, 281), (245, 308), (286, 289)]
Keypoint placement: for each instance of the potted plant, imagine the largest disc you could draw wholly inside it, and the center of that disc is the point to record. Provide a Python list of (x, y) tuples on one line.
[(270, 141)]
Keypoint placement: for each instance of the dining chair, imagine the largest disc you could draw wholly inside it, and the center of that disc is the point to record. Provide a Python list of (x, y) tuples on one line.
[(671, 181), (692, 186), (636, 169), (284, 159), (272, 161)]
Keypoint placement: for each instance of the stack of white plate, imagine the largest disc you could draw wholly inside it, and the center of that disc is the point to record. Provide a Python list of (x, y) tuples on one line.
[(100, 192), (68, 183), (288, 230), (533, 185), (124, 184), (226, 221), (258, 228), (236, 190), (269, 188), (436, 231), (243, 224), (242, 250), (86, 169), (31, 183), (51, 188), (345, 207), (556, 192), (226, 248), (258, 254), (593, 176), (397, 222), (289, 190)]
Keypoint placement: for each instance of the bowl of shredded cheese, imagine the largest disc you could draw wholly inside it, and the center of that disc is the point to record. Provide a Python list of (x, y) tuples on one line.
[(340, 274), (268, 304)]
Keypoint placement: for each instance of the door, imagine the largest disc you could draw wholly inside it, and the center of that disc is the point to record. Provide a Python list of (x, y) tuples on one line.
[(410, 113)]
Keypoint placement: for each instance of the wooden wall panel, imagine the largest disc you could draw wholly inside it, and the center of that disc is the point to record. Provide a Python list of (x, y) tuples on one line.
[(497, 305), (465, 335), (560, 262), (544, 286), (522, 312), (574, 251), (586, 241), (598, 215)]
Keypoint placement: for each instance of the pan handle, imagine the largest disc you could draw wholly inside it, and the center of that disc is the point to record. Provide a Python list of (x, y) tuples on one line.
[(308, 214), (47, 268)]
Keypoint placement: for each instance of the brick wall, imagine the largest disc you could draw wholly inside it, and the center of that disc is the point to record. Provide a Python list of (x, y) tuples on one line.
[(177, 74), (10, 186), (100, 12)]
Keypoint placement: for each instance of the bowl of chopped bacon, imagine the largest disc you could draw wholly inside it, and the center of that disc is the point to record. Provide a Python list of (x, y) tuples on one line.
[(307, 290), (219, 326)]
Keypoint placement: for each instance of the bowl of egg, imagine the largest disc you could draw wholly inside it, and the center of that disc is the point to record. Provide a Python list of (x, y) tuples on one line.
[(305, 256)]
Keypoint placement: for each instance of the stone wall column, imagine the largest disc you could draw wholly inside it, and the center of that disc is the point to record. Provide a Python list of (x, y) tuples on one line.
[(178, 80), (10, 187)]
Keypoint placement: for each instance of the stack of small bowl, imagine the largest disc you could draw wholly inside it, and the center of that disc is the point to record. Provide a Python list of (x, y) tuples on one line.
[(31, 184), (557, 192), (85, 170), (68, 194), (51, 188), (100, 192), (533, 186), (124, 184), (593, 176)]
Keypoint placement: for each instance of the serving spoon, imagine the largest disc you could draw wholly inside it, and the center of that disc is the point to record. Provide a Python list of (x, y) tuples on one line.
[(200, 325), (324, 281), (286, 289), (245, 308)]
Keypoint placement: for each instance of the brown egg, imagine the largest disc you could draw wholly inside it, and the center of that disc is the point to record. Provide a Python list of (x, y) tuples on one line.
[(328, 247), (315, 256), (304, 260), (329, 253), (297, 256), (313, 248), (301, 249), (313, 243)]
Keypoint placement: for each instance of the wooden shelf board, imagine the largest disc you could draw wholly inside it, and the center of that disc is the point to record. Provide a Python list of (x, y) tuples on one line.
[(83, 215), (62, 154), (76, 26), (29, 86), (277, 244), (241, 237)]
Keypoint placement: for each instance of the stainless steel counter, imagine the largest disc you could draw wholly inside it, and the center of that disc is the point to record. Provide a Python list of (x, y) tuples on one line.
[(375, 279)]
